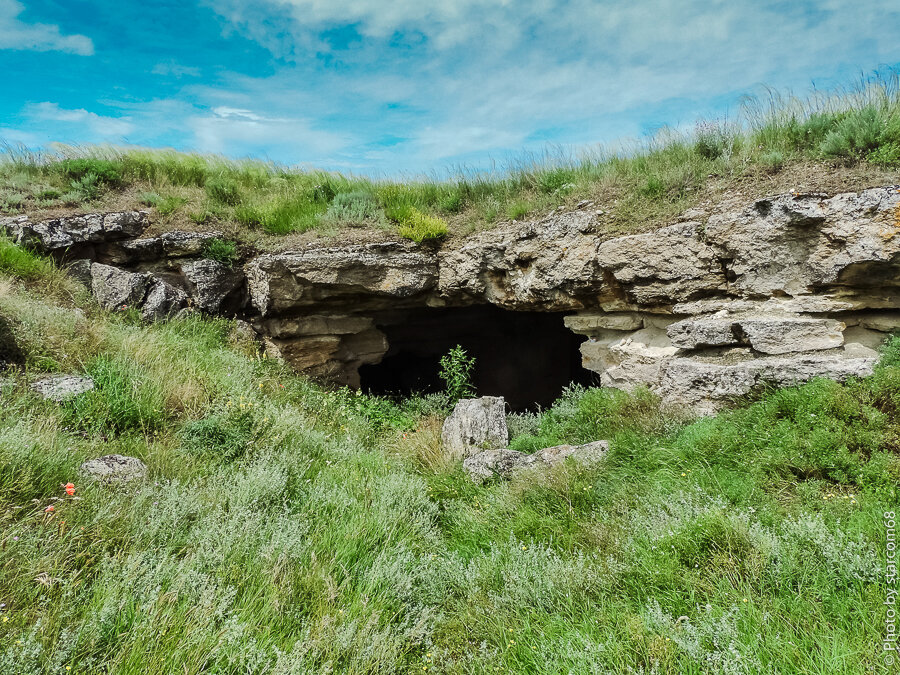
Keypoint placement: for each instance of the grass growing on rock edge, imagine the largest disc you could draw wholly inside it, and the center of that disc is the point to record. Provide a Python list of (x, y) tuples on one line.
[(259, 203), (286, 528)]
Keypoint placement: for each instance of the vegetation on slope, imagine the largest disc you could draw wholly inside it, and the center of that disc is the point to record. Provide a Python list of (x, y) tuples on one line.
[(286, 528), (778, 144)]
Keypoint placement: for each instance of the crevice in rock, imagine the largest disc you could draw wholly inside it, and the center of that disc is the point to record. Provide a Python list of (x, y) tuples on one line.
[(526, 357)]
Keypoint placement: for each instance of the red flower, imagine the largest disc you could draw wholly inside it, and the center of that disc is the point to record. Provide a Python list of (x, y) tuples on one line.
[(70, 489), (49, 509)]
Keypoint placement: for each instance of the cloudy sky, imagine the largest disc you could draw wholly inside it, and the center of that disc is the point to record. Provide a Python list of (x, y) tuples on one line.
[(408, 86)]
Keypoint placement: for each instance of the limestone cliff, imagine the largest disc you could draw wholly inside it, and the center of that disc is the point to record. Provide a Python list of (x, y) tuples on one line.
[(781, 289)]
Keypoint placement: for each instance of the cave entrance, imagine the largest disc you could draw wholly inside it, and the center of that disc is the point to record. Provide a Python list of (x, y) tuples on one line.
[(526, 357)]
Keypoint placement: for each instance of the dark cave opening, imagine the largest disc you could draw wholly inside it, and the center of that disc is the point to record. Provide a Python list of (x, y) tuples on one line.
[(526, 357)]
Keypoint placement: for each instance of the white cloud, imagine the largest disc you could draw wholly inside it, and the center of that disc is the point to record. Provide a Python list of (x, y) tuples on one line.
[(489, 74), (173, 69), (100, 127), (40, 37), (240, 131)]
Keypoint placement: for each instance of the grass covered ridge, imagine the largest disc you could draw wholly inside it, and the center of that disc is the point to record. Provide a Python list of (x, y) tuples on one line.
[(260, 203), (286, 528)]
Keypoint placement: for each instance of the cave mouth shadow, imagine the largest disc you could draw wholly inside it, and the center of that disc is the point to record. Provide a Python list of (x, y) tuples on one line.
[(526, 357)]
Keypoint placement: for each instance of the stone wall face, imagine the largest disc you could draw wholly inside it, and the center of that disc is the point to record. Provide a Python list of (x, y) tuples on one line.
[(781, 289)]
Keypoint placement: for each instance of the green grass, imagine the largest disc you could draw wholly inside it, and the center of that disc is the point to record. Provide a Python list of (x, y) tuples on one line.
[(856, 126), (221, 250), (288, 528)]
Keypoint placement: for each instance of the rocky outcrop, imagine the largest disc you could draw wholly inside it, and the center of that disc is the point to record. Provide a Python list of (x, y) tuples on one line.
[(75, 232), (727, 298), (475, 424)]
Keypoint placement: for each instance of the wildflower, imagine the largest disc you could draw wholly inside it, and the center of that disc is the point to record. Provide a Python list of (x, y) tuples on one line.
[(745, 599), (70, 489), (49, 509), (260, 385), (5, 619), (683, 473)]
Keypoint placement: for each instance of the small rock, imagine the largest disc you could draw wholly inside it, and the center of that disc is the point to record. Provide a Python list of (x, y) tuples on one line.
[(114, 468), (475, 424), (504, 463), (61, 388)]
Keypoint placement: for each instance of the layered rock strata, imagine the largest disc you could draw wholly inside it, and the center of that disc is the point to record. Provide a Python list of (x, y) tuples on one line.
[(729, 297)]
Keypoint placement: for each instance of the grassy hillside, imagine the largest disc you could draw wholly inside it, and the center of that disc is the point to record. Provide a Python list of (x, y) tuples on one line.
[(842, 140), (290, 529)]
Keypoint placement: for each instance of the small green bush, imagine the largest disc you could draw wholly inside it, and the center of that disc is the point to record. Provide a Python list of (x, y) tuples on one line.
[(518, 209), (456, 372), (104, 172), (87, 188), (381, 412), (559, 181), (221, 250), (808, 134), (773, 160), (297, 212), (858, 133), (415, 225), (887, 155), (164, 204), (223, 191)]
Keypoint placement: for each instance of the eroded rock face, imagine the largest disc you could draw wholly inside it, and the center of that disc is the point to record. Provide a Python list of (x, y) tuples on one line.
[(362, 277), (778, 289), (550, 265), (475, 424)]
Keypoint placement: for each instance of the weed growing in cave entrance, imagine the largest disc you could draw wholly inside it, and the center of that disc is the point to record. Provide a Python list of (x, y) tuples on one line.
[(456, 372)]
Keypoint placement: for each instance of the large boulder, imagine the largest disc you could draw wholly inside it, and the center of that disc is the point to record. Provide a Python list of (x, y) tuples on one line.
[(502, 463), (114, 469), (475, 424), (115, 288), (212, 283), (163, 301), (706, 384)]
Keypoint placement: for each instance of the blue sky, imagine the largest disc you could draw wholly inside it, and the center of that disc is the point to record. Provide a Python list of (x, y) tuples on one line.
[(392, 87)]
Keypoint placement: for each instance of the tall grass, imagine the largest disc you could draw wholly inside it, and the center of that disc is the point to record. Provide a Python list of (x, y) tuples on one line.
[(287, 528), (858, 125)]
